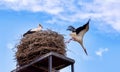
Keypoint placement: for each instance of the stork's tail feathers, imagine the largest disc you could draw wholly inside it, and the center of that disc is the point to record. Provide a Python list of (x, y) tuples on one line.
[(24, 34), (28, 32), (71, 28)]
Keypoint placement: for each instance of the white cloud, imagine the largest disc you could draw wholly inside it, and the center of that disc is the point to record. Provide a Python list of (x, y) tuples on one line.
[(101, 51), (103, 12), (48, 6)]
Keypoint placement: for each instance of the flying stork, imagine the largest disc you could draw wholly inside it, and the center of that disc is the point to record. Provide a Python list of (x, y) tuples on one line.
[(39, 28), (78, 33)]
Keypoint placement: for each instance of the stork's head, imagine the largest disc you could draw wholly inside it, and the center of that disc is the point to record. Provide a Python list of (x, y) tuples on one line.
[(40, 26), (71, 28)]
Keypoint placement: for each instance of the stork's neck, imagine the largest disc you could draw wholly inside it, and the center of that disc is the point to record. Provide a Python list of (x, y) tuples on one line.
[(74, 36)]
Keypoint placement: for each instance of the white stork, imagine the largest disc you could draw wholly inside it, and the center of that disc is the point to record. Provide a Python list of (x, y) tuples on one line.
[(78, 33), (39, 28)]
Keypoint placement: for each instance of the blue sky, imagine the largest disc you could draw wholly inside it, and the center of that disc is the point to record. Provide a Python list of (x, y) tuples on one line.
[(102, 40)]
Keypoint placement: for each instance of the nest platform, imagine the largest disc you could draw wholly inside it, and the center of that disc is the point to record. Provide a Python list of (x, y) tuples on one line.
[(46, 63)]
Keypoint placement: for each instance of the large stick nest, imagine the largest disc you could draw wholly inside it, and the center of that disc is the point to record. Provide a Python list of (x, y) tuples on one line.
[(32, 46)]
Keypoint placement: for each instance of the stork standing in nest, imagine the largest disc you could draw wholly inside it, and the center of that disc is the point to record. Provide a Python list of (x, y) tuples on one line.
[(39, 28), (78, 34)]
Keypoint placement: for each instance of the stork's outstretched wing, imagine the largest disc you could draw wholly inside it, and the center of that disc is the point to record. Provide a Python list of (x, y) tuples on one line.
[(82, 30), (81, 43), (84, 27), (80, 33)]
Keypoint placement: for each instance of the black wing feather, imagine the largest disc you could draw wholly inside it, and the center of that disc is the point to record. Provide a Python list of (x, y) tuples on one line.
[(79, 29), (28, 32)]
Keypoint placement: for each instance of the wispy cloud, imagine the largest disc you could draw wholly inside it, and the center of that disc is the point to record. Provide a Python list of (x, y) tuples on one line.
[(101, 51), (10, 46), (105, 13)]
